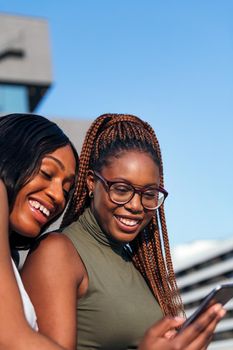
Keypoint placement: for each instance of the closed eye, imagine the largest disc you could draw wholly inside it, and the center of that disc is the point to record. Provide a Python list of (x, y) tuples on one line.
[(46, 175), (151, 194), (121, 188)]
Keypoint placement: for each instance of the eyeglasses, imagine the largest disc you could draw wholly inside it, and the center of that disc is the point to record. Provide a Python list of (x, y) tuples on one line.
[(122, 192)]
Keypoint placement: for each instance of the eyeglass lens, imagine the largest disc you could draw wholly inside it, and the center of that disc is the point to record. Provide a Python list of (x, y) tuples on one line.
[(122, 193)]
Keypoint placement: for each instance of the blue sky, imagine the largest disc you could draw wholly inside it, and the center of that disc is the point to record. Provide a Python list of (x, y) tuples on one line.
[(169, 62)]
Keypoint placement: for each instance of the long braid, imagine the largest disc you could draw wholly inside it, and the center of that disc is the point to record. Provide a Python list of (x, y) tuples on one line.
[(80, 198), (108, 135)]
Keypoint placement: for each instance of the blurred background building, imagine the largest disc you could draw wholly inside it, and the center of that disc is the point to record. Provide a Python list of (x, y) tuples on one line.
[(25, 63), (198, 273), (26, 70)]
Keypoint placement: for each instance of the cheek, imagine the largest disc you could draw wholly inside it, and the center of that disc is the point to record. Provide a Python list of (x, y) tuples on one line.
[(100, 200), (102, 206), (148, 218), (18, 202), (20, 206)]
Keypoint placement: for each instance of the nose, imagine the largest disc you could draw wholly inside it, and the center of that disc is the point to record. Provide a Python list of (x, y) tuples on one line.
[(135, 204), (56, 193)]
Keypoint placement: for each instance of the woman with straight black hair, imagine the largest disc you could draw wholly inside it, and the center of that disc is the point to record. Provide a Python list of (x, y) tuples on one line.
[(24, 140), (38, 166)]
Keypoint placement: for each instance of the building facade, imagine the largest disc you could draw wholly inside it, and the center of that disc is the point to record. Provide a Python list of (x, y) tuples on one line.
[(197, 275), (25, 63), (26, 70)]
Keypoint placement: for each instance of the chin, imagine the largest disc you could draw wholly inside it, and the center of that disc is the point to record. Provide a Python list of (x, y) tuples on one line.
[(125, 237), (30, 232)]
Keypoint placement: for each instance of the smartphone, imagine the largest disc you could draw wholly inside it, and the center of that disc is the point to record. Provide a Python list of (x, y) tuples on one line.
[(220, 294)]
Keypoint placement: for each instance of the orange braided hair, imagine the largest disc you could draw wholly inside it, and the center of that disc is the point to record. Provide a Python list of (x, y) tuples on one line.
[(150, 250)]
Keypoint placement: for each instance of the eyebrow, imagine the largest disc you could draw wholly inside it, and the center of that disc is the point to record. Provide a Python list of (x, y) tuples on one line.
[(61, 165), (57, 161), (123, 180)]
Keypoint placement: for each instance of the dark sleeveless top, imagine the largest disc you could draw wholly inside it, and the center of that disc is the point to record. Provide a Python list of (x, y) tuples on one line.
[(118, 306)]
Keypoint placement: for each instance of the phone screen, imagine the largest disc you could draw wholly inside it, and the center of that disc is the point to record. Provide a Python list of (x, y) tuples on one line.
[(221, 294)]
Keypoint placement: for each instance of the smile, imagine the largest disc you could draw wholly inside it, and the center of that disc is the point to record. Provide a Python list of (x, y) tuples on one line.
[(128, 222), (40, 207)]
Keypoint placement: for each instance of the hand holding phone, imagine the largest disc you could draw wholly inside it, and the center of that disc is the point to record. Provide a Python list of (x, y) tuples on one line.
[(221, 294)]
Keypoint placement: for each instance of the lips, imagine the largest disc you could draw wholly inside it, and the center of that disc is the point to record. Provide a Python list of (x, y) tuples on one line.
[(39, 206), (40, 212), (127, 224)]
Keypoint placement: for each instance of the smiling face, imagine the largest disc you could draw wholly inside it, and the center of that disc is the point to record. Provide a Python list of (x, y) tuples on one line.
[(124, 222), (44, 197)]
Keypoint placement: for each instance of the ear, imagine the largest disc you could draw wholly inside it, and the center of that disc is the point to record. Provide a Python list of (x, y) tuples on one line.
[(90, 181)]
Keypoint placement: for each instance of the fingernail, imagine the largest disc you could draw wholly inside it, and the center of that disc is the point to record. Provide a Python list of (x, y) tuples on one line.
[(222, 312), (217, 307), (179, 319)]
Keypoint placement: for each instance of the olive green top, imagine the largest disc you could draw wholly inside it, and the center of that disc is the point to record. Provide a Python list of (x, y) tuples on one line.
[(118, 306)]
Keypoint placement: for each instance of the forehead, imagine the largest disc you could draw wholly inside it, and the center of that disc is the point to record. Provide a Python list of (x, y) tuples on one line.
[(63, 157), (133, 166)]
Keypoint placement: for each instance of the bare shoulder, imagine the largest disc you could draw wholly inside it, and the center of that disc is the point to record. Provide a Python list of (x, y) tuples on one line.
[(55, 254), (54, 277), (53, 243)]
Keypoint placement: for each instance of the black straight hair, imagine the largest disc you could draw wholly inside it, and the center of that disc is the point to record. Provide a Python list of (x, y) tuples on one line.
[(24, 141)]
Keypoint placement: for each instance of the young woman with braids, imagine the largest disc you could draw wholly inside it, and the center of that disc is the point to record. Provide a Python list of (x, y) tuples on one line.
[(114, 260)]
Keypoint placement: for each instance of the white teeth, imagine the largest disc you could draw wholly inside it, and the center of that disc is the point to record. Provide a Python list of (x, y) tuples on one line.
[(128, 222), (39, 206), (36, 205), (46, 211)]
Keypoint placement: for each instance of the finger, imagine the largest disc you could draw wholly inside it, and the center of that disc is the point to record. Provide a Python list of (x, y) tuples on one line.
[(158, 343), (170, 334), (154, 337), (202, 341), (4, 200), (202, 321), (160, 328), (4, 218), (205, 337), (200, 330)]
